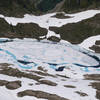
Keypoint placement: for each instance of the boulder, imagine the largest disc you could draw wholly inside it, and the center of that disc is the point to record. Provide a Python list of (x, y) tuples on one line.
[(54, 39), (13, 85), (97, 42)]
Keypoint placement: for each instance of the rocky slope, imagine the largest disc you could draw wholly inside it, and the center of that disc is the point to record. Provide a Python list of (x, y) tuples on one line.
[(70, 27), (82, 30), (37, 58), (44, 70), (20, 7)]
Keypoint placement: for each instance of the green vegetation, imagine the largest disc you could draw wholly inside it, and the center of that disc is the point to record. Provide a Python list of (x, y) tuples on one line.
[(77, 32)]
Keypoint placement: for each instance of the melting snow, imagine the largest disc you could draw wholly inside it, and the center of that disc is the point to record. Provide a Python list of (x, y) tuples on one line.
[(44, 53)]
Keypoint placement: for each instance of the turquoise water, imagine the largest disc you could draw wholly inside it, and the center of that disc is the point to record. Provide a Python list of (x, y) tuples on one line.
[(43, 54), (14, 57)]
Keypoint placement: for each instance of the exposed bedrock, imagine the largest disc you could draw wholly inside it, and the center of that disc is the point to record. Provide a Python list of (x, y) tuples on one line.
[(20, 7), (27, 30), (40, 94), (96, 47), (77, 32)]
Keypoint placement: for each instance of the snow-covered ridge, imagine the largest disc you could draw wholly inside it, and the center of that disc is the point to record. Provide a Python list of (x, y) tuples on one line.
[(47, 20)]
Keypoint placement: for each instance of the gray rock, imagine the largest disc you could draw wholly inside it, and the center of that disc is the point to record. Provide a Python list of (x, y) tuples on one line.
[(47, 82), (13, 85), (54, 39), (3, 82)]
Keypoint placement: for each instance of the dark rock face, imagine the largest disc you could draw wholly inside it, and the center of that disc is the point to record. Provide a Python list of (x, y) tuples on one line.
[(3, 82), (40, 94), (81, 93), (95, 77), (96, 85), (69, 86), (46, 5), (4, 27), (60, 68), (17, 73), (24, 62), (54, 39), (29, 30), (13, 85), (97, 42), (77, 32), (96, 47), (17, 7), (47, 82), (79, 5), (61, 16), (6, 41)]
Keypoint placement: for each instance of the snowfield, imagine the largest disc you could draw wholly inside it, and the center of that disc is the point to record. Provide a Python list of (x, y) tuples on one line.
[(28, 55), (56, 69)]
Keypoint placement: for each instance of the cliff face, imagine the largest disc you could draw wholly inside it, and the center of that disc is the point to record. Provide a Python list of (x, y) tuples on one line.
[(77, 5), (19, 7)]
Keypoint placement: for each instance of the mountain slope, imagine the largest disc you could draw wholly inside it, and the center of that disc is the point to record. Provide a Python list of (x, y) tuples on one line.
[(20, 7), (37, 58), (77, 32)]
